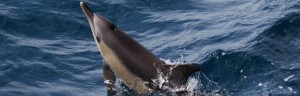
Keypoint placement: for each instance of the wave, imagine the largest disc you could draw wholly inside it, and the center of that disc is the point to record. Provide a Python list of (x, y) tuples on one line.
[(275, 54), (280, 43)]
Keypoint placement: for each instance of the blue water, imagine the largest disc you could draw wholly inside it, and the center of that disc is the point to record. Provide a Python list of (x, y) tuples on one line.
[(244, 47)]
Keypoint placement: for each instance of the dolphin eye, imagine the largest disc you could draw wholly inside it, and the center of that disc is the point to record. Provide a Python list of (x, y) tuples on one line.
[(113, 27)]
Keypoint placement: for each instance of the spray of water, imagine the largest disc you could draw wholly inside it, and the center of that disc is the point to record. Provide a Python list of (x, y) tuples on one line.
[(193, 87)]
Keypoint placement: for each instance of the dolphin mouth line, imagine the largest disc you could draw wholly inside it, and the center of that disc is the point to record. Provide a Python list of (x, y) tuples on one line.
[(87, 11), (89, 14)]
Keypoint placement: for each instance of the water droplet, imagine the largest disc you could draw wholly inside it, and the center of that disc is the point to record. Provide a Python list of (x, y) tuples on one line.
[(291, 89), (223, 53), (289, 77)]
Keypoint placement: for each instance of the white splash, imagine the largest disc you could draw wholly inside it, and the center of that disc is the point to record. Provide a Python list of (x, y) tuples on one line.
[(107, 82), (192, 84), (171, 62), (161, 80)]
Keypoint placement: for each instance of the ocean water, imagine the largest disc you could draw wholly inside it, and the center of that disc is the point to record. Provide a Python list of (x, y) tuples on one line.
[(244, 47)]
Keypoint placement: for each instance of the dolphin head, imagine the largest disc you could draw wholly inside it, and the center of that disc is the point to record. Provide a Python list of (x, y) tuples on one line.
[(98, 24)]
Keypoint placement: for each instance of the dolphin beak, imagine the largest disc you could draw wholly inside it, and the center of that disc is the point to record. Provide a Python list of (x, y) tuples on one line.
[(88, 13)]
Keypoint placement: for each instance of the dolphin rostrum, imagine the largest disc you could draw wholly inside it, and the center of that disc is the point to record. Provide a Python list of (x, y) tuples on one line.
[(138, 68)]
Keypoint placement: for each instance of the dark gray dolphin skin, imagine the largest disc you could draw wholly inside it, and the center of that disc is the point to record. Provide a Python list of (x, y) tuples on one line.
[(138, 68)]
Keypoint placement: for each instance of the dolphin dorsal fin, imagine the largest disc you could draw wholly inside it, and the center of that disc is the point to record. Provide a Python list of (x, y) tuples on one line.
[(178, 74)]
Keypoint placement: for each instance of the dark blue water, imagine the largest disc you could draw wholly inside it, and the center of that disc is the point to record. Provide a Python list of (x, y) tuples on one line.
[(245, 47)]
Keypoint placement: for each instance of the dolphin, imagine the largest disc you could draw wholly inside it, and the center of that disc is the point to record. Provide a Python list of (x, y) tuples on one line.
[(138, 68)]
